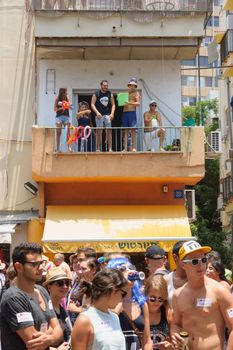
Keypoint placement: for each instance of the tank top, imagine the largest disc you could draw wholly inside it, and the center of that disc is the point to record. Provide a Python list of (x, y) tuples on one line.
[(103, 102), (107, 330), (170, 288), (159, 332)]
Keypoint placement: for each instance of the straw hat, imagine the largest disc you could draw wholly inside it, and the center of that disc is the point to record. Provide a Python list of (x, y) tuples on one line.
[(56, 274), (2, 265)]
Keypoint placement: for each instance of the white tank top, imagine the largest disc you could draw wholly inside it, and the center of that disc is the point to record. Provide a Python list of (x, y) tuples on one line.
[(107, 330), (170, 288)]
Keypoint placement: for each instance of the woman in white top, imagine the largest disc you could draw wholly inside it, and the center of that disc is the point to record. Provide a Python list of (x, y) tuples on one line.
[(98, 328)]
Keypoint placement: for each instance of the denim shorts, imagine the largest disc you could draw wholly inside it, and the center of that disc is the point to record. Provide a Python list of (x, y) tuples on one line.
[(103, 122), (129, 119), (63, 119)]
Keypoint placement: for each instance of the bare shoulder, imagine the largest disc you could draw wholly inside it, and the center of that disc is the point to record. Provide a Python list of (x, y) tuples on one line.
[(181, 290), (83, 323)]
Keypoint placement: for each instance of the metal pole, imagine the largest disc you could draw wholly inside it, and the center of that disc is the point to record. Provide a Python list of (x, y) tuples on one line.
[(199, 84), (229, 115)]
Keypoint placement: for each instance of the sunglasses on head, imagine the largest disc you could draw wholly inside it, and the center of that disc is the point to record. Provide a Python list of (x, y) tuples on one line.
[(62, 283), (154, 299), (196, 261)]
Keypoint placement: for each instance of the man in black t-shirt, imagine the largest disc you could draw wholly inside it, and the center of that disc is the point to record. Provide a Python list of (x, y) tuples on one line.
[(27, 317), (103, 105)]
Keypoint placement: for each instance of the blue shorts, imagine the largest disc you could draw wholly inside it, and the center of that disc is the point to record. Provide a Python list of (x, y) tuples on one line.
[(63, 119), (129, 119)]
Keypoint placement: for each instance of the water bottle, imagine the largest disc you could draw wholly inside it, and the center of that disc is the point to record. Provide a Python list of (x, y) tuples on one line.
[(135, 276)]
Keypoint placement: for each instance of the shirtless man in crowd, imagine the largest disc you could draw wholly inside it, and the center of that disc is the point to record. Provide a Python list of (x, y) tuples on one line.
[(151, 132), (202, 307), (129, 117)]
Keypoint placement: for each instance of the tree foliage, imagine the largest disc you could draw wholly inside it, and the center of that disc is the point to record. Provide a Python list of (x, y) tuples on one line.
[(201, 111)]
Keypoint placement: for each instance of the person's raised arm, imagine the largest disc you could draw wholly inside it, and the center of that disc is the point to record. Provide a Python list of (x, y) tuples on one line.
[(82, 334), (136, 101), (83, 113)]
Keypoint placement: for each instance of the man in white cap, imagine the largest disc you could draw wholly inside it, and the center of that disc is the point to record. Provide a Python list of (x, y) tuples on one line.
[(129, 117), (202, 307), (153, 127)]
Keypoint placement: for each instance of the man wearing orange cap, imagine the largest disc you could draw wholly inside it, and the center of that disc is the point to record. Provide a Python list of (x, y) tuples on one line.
[(202, 307)]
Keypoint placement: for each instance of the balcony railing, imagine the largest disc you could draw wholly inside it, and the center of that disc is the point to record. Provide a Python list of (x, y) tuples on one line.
[(115, 139), (123, 5), (226, 45), (227, 188)]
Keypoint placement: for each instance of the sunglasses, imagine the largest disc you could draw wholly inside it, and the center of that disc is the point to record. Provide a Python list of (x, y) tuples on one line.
[(35, 264), (154, 299), (62, 283), (196, 261), (123, 268), (153, 105)]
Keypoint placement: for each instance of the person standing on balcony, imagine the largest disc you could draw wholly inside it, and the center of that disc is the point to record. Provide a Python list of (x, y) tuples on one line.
[(62, 116), (152, 119), (103, 105), (84, 119), (129, 117)]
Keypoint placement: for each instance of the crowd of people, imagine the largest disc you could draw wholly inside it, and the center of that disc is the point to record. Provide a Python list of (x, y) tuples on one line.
[(103, 106), (105, 303)]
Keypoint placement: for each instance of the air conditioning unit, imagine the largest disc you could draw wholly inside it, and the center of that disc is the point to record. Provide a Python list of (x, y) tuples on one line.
[(190, 204), (216, 141), (219, 73)]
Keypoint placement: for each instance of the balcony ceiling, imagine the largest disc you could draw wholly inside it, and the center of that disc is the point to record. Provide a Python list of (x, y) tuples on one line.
[(116, 49)]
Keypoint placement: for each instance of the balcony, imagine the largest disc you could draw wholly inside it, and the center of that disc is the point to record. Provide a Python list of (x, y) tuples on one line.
[(226, 46), (227, 189), (119, 29), (182, 162), (199, 6)]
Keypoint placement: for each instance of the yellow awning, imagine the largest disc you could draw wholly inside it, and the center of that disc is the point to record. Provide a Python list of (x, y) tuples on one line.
[(218, 37), (228, 72), (114, 228), (228, 5)]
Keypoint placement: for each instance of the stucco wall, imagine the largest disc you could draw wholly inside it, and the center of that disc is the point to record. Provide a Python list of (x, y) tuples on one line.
[(162, 78)]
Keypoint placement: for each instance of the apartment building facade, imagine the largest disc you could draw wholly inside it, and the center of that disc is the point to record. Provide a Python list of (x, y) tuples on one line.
[(114, 201)]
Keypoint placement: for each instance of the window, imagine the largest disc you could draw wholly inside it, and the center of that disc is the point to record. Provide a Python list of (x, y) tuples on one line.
[(217, 2), (213, 21), (208, 81), (184, 80), (204, 61), (188, 80), (188, 100), (207, 40), (191, 62)]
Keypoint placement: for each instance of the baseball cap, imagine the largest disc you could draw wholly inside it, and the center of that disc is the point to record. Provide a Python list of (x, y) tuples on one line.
[(153, 102), (154, 252), (192, 246), (133, 81)]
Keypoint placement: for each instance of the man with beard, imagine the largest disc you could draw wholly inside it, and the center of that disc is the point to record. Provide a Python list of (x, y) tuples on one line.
[(129, 117), (27, 317), (103, 105)]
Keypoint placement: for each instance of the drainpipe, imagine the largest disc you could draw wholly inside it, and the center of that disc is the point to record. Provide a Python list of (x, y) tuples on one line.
[(230, 118), (199, 83)]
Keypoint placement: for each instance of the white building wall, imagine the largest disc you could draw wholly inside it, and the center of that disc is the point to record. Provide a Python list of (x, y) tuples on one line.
[(161, 77), (17, 91)]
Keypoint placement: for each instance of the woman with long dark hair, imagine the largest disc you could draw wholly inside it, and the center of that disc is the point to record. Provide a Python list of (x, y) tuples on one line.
[(216, 271), (98, 328), (62, 115)]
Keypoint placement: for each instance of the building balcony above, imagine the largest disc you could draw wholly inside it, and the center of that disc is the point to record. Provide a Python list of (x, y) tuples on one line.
[(120, 24), (226, 48), (181, 161)]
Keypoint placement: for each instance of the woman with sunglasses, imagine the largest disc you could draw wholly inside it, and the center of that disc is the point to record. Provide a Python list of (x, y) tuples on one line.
[(133, 311), (98, 328), (157, 300), (57, 283)]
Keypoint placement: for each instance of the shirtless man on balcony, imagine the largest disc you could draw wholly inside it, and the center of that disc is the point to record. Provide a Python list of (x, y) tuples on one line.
[(152, 118), (202, 307)]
